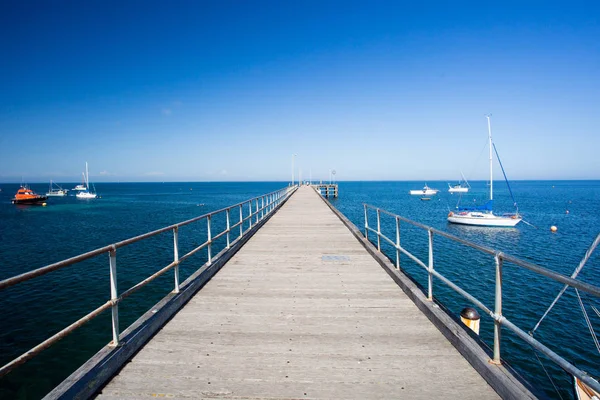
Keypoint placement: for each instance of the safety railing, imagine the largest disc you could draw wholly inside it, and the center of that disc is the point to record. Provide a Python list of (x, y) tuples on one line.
[(496, 312), (258, 208)]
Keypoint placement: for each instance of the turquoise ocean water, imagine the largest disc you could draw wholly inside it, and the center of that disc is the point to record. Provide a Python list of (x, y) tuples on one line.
[(33, 236)]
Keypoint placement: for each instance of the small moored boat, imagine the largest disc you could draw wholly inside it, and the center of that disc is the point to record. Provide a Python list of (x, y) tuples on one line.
[(426, 191), (86, 193), (27, 196), (58, 191)]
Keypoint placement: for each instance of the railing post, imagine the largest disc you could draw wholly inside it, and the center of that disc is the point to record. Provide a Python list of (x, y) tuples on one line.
[(430, 269), (378, 231), (228, 229), (176, 257), (397, 243), (257, 213), (113, 296), (366, 224), (498, 309), (209, 247), (241, 220), (262, 207), (250, 216)]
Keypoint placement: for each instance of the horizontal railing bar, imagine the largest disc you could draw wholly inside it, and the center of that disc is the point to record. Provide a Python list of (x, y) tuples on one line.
[(405, 252), (73, 260), (586, 287), (235, 225), (564, 364), (52, 267), (218, 236), (197, 249), (146, 281), (385, 238), (53, 339)]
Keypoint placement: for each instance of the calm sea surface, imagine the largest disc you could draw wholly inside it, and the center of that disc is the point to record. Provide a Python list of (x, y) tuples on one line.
[(33, 236)]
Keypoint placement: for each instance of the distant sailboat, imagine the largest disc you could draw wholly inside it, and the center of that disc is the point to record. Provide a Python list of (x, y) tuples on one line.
[(483, 215), (81, 186), (86, 194), (462, 186)]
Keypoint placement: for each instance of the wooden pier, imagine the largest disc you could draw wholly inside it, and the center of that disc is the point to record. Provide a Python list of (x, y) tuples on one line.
[(302, 311), (327, 189)]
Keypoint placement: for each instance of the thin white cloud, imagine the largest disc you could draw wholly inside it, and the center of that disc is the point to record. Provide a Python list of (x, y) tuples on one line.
[(105, 173), (223, 172), (166, 111)]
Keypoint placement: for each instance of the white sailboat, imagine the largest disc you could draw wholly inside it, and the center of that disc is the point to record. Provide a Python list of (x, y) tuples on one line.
[(483, 215), (86, 194), (81, 186), (461, 187), (56, 192)]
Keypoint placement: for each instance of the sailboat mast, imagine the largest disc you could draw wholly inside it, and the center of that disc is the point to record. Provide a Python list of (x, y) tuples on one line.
[(491, 175), (87, 175)]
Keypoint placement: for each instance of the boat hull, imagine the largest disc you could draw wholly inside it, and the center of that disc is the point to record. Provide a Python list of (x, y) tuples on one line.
[(56, 194), (31, 201), (458, 190), (483, 219), (85, 195), (429, 192), (583, 391)]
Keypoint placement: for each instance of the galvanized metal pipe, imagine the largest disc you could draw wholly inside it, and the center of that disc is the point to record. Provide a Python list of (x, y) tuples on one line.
[(378, 231), (53, 339), (366, 223), (498, 308), (209, 241), (241, 221), (176, 258), (430, 267), (250, 211), (228, 228), (113, 296), (397, 243)]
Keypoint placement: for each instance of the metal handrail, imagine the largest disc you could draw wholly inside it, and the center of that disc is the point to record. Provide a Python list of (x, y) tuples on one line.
[(270, 202), (496, 314)]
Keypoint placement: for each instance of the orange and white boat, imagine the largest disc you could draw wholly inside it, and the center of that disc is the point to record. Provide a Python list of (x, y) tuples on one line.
[(27, 196)]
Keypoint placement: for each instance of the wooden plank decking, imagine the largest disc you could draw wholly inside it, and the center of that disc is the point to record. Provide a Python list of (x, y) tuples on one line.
[(301, 311)]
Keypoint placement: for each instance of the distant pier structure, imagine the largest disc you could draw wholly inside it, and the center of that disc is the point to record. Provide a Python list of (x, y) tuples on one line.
[(327, 189)]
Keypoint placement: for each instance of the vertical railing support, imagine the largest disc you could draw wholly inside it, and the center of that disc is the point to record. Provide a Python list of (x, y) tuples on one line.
[(113, 296), (250, 215), (257, 213), (176, 258), (241, 220), (430, 268), (209, 240), (397, 243), (498, 309), (366, 224), (262, 207), (228, 228), (378, 230)]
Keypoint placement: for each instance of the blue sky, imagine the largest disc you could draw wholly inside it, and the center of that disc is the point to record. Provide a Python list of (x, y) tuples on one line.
[(229, 90)]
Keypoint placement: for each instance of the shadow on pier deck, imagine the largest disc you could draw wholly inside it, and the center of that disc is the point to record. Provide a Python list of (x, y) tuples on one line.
[(303, 310)]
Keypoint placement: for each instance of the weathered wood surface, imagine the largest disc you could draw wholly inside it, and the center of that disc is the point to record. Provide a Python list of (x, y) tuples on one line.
[(281, 321)]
